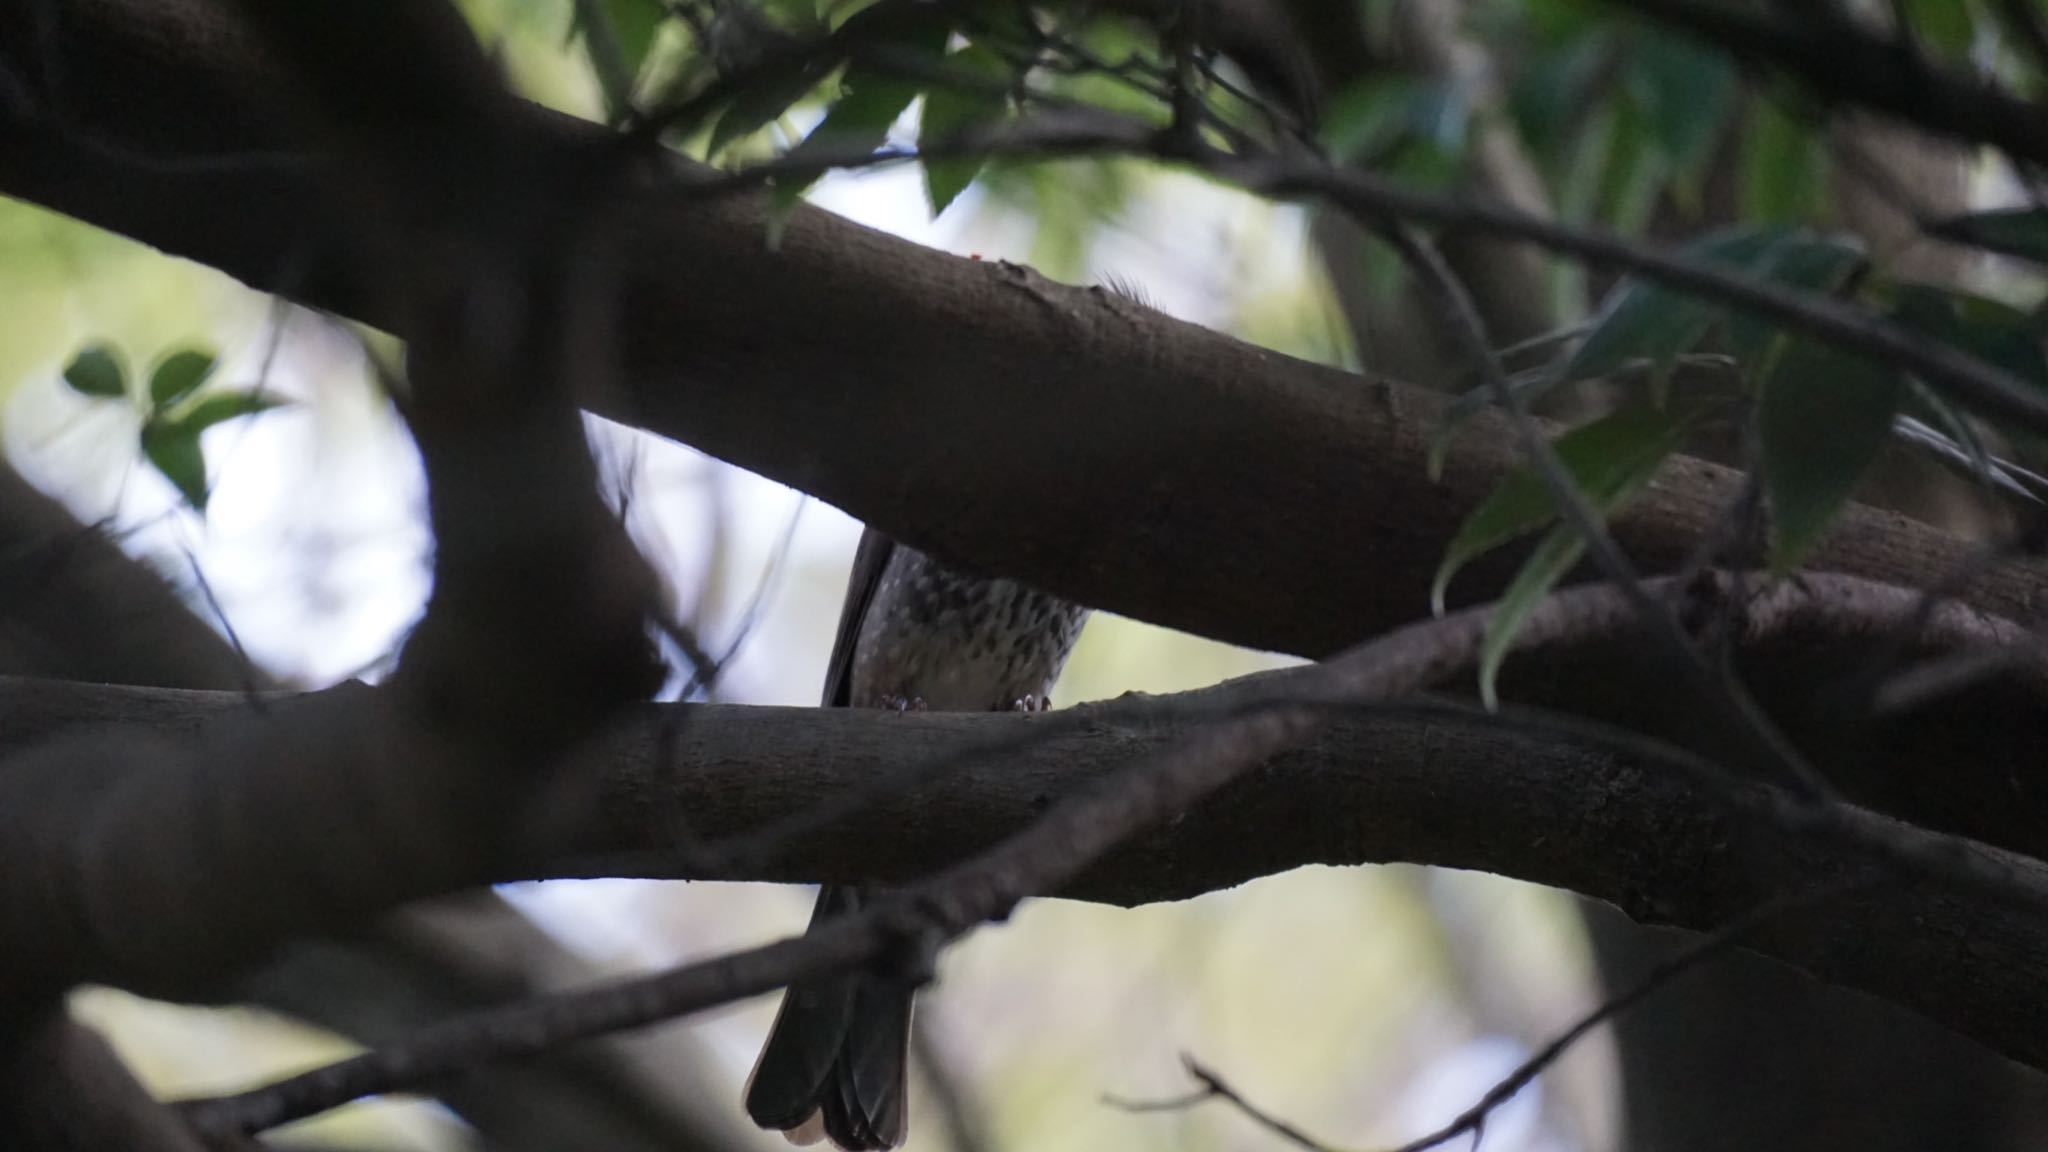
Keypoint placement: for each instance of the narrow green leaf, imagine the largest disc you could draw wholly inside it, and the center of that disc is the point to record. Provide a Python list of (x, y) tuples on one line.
[(857, 124), (1549, 85), (2021, 232), (222, 407), (174, 451), (1555, 555), (796, 13), (1802, 260), (618, 50), (1988, 329), (949, 111), (870, 101), (171, 443), (1642, 321), (1610, 459), (1688, 92), (1633, 173), (97, 372), (1784, 166), (1646, 323), (764, 98), (177, 376), (1822, 417)]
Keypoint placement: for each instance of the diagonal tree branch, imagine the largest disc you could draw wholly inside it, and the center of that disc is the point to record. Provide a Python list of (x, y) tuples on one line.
[(813, 337), (1663, 834), (79, 609), (902, 932)]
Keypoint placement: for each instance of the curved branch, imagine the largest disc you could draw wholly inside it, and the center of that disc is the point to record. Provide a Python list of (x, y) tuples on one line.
[(1956, 933), (1844, 61), (1323, 527), (77, 608)]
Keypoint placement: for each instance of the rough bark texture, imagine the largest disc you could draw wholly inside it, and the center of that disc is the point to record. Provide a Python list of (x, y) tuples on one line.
[(1203, 484), (1749, 1053), (77, 608), (938, 382), (689, 797)]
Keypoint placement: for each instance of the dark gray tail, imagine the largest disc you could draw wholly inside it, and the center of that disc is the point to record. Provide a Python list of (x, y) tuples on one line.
[(836, 1061)]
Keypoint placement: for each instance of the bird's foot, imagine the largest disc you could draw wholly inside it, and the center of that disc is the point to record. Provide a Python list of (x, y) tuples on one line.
[(1031, 703), (902, 704)]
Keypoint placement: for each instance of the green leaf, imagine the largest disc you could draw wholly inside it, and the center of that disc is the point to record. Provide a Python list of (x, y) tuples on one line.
[(1632, 176), (1807, 262), (96, 372), (857, 124), (1822, 417), (1610, 459), (2021, 232), (1643, 321), (222, 407), (1784, 166), (1688, 93), (1554, 556), (949, 111), (1549, 85), (1943, 24), (1985, 328), (763, 98), (177, 376), (171, 443), (175, 452), (1647, 323), (618, 50)]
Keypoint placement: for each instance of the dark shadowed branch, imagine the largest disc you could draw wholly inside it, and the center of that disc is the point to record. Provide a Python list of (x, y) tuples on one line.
[(1007, 362), (1673, 839), (1845, 61)]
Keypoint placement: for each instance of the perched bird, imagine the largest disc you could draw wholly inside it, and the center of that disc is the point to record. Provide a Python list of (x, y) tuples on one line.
[(914, 634)]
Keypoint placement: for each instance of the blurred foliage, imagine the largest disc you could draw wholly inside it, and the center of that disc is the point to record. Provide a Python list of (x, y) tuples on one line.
[(1327, 995), (172, 417)]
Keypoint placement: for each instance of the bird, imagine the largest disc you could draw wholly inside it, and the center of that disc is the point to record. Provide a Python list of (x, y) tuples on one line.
[(914, 634)]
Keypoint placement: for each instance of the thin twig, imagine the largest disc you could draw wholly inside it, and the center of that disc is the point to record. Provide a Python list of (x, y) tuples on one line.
[(1473, 1120), (1839, 59), (244, 666), (1739, 712), (903, 931), (706, 677), (1070, 133)]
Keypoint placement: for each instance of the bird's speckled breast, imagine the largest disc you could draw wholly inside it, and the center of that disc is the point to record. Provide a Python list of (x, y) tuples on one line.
[(959, 642)]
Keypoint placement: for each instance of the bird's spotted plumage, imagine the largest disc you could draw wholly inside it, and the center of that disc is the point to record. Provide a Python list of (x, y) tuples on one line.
[(913, 632), (958, 642)]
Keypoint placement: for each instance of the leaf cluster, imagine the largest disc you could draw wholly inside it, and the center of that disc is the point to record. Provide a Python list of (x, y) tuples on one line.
[(174, 413)]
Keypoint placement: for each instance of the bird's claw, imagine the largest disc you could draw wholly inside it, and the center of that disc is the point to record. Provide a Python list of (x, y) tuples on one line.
[(1031, 703), (901, 704)]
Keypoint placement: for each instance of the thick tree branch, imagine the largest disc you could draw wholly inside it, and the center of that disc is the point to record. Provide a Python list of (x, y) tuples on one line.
[(64, 1089), (688, 793), (794, 363), (1059, 841), (77, 608), (1845, 61)]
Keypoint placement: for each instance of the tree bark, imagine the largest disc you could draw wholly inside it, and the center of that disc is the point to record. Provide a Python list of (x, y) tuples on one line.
[(687, 791), (1325, 527)]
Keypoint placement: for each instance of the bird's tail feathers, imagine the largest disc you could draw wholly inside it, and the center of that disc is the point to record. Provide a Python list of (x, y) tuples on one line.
[(836, 1062)]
